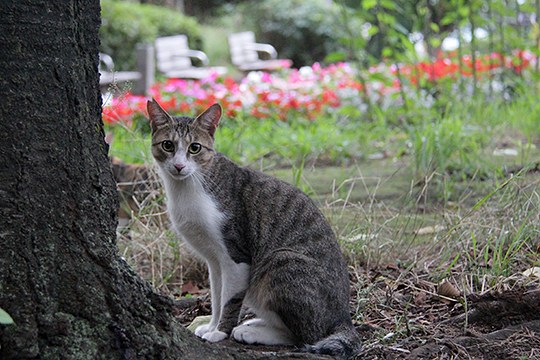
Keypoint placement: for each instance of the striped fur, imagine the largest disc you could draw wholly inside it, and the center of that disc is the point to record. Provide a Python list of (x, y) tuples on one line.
[(267, 245)]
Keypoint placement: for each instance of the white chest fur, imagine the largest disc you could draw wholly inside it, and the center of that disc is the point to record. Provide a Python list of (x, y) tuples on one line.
[(195, 217)]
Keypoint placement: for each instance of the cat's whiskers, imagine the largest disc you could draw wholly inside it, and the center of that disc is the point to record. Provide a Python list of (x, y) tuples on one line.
[(199, 178)]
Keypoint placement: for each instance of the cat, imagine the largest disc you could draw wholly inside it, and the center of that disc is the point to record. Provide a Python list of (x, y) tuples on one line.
[(266, 244)]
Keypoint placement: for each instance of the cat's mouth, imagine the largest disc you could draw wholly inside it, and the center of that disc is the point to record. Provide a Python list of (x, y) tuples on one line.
[(180, 175)]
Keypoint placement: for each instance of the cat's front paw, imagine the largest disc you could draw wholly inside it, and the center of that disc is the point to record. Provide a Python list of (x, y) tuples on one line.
[(202, 329), (215, 336)]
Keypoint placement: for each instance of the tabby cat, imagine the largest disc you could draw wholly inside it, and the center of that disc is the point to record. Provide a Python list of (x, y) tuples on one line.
[(267, 245)]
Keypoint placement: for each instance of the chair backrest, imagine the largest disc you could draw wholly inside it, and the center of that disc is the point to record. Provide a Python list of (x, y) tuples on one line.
[(240, 54), (107, 62), (171, 53)]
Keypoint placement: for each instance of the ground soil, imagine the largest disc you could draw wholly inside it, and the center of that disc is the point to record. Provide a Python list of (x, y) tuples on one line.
[(407, 317), (400, 312)]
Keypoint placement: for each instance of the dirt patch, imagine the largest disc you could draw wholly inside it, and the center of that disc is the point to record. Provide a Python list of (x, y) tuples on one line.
[(405, 316), (489, 310), (500, 326), (409, 318)]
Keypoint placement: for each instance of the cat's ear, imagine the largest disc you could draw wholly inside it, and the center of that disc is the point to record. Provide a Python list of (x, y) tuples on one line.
[(158, 116), (209, 119)]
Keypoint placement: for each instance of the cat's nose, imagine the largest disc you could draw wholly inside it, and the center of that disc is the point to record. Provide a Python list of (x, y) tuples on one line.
[(179, 167)]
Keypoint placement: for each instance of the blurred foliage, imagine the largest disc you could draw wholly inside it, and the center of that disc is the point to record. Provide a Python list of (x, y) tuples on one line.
[(202, 8), (301, 30), (384, 20), (125, 24), (307, 31), (388, 25)]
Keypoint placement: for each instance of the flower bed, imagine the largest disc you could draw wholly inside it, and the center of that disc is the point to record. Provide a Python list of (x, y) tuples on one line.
[(309, 92)]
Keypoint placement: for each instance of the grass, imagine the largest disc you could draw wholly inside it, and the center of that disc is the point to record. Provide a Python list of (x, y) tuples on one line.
[(378, 222), (416, 196), (250, 141), (428, 198), (130, 145), (400, 245)]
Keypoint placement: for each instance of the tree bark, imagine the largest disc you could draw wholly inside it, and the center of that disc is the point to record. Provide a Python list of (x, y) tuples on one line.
[(61, 278)]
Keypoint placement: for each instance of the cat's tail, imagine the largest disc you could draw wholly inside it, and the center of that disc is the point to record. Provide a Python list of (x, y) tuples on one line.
[(345, 343)]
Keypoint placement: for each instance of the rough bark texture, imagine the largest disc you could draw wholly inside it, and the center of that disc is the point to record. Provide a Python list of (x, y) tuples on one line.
[(61, 278)]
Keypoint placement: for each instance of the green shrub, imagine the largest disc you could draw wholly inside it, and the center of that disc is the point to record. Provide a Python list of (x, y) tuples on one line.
[(125, 24), (302, 30)]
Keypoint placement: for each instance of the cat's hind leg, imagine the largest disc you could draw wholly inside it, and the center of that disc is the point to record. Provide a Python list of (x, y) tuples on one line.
[(310, 300), (259, 331)]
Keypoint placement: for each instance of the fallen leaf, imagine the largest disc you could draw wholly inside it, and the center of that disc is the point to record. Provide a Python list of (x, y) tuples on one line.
[(429, 230), (420, 298), (378, 156), (190, 288), (448, 290), (505, 152), (5, 318), (198, 321), (534, 271), (360, 237)]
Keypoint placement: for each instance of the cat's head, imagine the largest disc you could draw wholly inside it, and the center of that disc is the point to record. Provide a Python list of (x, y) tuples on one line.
[(183, 146)]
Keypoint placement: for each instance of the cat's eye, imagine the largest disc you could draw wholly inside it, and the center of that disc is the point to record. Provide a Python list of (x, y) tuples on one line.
[(167, 145), (194, 148)]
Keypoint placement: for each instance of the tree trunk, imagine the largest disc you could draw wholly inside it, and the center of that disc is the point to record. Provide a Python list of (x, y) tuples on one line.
[(61, 278)]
